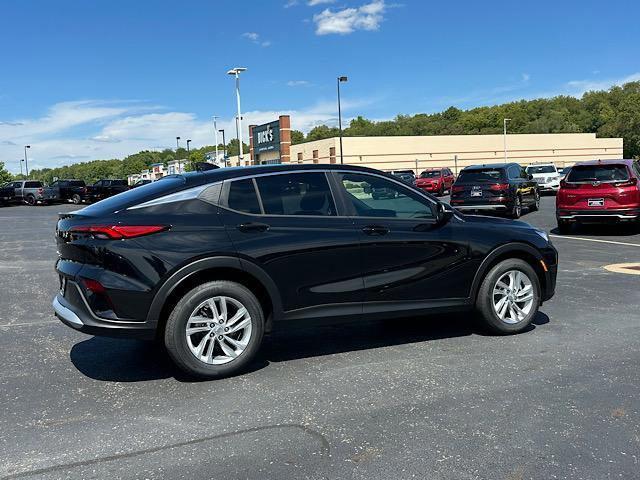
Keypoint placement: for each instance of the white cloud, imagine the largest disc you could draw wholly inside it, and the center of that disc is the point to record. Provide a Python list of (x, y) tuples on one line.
[(348, 20), (84, 131), (291, 3), (578, 87), (298, 83), (313, 3), (255, 38), (526, 77)]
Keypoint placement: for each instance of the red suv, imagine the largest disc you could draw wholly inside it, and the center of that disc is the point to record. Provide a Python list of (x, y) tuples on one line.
[(599, 191), (435, 180)]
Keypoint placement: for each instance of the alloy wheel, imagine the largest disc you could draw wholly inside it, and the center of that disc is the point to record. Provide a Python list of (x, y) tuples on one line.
[(513, 296), (218, 330)]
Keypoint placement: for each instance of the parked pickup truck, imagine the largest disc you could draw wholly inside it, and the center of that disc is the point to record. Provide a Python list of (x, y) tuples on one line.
[(64, 191), (7, 194), (27, 191), (104, 189)]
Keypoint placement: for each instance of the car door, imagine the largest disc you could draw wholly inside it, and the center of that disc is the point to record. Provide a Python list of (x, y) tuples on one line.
[(288, 224), (409, 259), (530, 186), (17, 188), (448, 179)]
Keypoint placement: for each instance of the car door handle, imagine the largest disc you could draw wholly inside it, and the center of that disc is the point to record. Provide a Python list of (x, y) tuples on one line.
[(375, 230), (253, 227)]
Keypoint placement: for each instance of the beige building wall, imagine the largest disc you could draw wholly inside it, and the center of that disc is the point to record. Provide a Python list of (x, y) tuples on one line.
[(420, 152)]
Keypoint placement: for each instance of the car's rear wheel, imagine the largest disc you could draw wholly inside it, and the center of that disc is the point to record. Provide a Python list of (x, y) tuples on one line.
[(441, 191), (536, 202), (516, 210), (76, 199), (31, 200), (509, 296), (215, 330)]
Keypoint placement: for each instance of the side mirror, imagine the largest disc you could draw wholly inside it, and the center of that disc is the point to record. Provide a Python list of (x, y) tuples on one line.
[(445, 212), (530, 177)]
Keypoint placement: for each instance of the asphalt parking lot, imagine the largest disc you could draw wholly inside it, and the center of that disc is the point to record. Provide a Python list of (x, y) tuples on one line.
[(420, 398)]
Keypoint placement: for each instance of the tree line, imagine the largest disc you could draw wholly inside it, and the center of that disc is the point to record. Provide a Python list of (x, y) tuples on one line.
[(608, 113)]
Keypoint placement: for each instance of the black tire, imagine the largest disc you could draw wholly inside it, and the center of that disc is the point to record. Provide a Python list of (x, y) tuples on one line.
[(484, 301), (563, 227), (76, 199), (516, 210), (175, 339), (31, 200), (536, 204), (441, 191)]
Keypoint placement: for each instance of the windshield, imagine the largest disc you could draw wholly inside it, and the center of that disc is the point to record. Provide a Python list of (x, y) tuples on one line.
[(488, 175), (532, 170), (430, 174), (598, 173)]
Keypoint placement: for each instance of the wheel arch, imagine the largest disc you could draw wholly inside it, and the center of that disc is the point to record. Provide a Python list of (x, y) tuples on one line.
[(215, 268), (518, 250)]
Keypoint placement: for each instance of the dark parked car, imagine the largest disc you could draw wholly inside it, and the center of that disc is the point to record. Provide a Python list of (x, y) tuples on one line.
[(7, 194), (140, 183), (207, 262), (599, 191), (104, 189), (65, 190), (502, 187), (407, 176)]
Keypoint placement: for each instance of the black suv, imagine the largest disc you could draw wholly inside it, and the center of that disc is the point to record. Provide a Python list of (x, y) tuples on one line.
[(500, 187), (207, 262)]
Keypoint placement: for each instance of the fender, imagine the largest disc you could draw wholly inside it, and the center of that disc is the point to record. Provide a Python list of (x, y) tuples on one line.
[(502, 249), (192, 268)]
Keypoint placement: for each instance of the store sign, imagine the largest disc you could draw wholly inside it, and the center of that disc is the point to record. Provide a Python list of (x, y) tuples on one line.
[(266, 138)]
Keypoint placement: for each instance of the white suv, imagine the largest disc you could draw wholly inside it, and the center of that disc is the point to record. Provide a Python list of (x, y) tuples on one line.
[(547, 176)]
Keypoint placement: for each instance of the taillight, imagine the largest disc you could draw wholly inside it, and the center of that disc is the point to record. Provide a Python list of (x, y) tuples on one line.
[(631, 183), (565, 184), (84, 189), (93, 285), (116, 232), (40, 191), (499, 187), (457, 188)]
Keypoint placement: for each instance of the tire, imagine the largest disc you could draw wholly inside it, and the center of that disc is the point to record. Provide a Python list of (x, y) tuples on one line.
[(31, 200), (488, 300), (441, 191), (536, 204), (218, 363), (76, 199), (563, 227), (516, 211)]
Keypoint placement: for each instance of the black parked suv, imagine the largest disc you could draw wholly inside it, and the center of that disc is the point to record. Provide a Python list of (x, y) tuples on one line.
[(104, 189), (500, 187), (207, 262)]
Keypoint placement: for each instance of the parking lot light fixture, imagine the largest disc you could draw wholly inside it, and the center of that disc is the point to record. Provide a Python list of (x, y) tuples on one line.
[(177, 144), (340, 80), (26, 160), (504, 122), (188, 149), (236, 73), (224, 147)]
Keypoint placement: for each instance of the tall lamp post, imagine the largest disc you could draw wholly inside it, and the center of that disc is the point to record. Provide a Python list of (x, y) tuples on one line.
[(26, 160), (177, 145), (340, 80), (188, 142), (21, 162), (215, 132), (236, 73), (224, 147), (504, 122)]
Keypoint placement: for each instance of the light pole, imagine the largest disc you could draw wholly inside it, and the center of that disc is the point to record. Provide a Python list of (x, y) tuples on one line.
[(340, 80), (21, 161), (505, 137), (177, 145), (26, 160), (224, 147), (215, 132), (188, 142), (236, 73)]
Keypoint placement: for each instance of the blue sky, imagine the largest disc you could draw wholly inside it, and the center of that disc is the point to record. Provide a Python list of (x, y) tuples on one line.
[(102, 79)]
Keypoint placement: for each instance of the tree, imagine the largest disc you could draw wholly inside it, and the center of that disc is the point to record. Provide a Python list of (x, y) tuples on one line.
[(5, 176), (296, 137)]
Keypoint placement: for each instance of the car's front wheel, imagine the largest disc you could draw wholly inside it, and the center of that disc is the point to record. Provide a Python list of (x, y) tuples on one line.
[(76, 199), (509, 296), (215, 330)]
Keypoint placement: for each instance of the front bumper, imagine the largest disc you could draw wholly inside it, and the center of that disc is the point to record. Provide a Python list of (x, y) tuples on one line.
[(430, 188), (549, 187), (75, 313)]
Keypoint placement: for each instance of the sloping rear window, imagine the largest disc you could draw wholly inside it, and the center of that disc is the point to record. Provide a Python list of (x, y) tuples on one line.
[(598, 173), (487, 175), (32, 184)]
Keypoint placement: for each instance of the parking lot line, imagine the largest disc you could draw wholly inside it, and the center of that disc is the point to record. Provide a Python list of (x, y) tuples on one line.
[(596, 240)]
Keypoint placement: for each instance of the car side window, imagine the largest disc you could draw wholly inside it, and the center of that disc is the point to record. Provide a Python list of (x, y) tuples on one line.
[(373, 196), (296, 194), (513, 172), (243, 197), (54, 184)]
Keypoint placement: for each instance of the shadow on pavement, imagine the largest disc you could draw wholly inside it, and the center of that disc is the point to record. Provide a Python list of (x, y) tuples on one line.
[(611, 230), (122, 360)]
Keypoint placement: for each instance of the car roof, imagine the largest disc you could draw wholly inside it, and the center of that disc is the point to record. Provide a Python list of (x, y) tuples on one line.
[(624, 161), (548, 164), (219, 174), (491, 165)]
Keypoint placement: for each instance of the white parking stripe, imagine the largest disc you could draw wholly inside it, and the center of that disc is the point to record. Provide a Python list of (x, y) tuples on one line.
[(596, 240)]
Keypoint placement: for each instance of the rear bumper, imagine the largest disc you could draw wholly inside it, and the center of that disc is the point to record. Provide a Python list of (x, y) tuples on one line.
[(597, 216), (429, 188), (79, 317)]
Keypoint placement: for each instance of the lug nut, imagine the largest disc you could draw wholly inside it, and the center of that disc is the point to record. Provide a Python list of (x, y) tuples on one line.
[(219, 337), (221, 322), (226, 329), (211, 334)]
